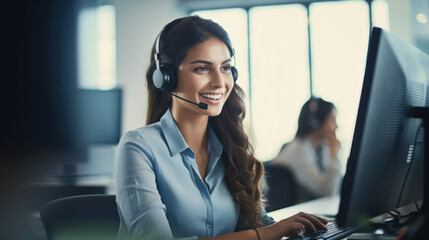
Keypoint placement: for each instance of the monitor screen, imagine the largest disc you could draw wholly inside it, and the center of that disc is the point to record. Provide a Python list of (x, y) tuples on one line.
[(96, 130), (385, 166)]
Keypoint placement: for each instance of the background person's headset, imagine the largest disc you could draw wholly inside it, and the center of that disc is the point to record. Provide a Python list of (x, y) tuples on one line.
[(164, 75), (313, 107)]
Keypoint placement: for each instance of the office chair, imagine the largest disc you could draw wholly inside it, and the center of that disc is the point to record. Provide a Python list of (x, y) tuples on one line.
[(281, 189), (92, 216)]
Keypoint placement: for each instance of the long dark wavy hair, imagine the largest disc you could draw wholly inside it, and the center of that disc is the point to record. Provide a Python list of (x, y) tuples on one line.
[(243, 171), (313, 114)]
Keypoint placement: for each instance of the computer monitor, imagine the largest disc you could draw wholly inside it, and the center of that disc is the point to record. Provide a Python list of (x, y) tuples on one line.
[(96, 131), (385, 166), (98, 116)]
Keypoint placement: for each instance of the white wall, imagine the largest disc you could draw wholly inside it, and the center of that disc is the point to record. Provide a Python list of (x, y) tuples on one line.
[(138, 22)]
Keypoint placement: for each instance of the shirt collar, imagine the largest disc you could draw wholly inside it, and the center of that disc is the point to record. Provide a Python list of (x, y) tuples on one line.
[(173, 137), (214, 145), (175, 141)]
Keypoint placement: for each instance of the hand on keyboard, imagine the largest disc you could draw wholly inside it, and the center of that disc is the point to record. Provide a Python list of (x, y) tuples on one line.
[(332, 232), (303, 223)]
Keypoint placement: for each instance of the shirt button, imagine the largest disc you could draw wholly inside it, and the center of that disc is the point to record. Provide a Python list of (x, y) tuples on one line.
[(210, 226)]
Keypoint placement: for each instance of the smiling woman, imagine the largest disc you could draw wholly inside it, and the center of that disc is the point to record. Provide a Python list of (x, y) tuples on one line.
[(191, 172), (206, 71)]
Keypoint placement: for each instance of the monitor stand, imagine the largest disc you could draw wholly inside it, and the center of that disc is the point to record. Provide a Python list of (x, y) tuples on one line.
[(418, 229)]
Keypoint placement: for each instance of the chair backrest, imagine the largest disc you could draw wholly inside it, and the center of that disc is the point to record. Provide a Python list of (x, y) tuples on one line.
[(93, 216), (281, 188)]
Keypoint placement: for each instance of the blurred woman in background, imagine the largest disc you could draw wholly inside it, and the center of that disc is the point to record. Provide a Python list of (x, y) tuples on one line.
[(313, 154)]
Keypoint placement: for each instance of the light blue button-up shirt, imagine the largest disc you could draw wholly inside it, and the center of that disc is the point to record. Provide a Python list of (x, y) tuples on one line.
[(159, 191)]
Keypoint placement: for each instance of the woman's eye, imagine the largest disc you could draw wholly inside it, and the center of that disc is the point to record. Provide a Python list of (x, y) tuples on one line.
[(201, 69), (226, 68)]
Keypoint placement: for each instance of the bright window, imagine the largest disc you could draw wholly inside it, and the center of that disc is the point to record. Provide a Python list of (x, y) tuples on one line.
[(97, 47), (380, 14), (280, 76), (339, 41)]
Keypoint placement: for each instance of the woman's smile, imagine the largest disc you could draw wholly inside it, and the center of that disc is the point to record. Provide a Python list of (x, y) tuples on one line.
[(205, 76)]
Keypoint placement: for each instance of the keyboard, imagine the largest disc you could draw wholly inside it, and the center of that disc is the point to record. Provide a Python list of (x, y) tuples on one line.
[(333, 232)]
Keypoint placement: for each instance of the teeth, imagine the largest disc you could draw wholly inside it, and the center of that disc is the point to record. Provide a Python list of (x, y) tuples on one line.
[(211, 96)]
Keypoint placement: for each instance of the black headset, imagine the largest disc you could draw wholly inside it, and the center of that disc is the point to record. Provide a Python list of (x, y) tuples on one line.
[(164, 76), (313, 107)]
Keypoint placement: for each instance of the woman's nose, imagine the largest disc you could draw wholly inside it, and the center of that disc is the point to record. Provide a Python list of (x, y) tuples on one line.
[(217, 79)]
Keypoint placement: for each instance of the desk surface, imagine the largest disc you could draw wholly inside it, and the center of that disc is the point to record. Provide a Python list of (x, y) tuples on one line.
[(326, 206)]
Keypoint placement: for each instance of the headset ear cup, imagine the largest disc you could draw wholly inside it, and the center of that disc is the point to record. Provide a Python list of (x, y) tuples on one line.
[(234, 73), (314, 123), (170, 80), (158, 78), (164, 78)]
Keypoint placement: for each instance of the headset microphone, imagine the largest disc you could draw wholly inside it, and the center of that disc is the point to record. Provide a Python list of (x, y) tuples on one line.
[(200, 105)]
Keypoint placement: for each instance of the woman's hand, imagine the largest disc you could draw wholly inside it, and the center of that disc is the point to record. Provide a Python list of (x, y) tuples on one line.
[(297, 225), (302, 223), (334, 145)]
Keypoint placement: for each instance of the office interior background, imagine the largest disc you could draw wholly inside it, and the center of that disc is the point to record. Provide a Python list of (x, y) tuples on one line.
[(286, 51)]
